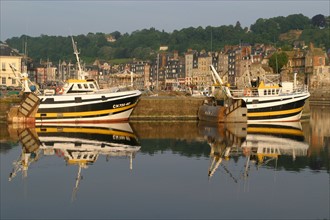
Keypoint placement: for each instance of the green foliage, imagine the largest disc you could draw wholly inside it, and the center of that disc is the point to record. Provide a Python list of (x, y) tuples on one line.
[(144, 44), (319, 21), (320, 37), (120, 61), (277, 61)]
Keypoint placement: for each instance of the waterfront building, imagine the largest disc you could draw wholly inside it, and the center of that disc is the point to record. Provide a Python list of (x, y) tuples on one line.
[(223, 66), (296, 61), (215, 59), (315, 59), (203, 76), (317, 68), (10, 56), (189, 60), (140, 68), (173, 69)]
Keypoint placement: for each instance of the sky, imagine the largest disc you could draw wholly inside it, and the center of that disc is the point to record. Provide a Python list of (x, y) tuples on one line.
[(65, 17)]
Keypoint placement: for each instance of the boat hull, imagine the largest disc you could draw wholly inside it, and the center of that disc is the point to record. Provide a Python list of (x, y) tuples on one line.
[(277, 108), (87, 108)]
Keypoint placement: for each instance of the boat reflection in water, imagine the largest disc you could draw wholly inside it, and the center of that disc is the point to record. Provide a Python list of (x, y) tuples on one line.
[(266, 142), (80, 146), (259, 143)]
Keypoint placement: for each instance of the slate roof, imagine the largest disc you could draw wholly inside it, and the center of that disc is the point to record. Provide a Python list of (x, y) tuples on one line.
[(5, 50)]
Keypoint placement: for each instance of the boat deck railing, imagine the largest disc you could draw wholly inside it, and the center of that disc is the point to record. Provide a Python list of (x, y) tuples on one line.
[(254, 92)]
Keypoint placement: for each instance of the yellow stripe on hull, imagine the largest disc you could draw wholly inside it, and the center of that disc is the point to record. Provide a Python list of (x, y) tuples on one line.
[(82, 114), (274, 113), (275, 131)]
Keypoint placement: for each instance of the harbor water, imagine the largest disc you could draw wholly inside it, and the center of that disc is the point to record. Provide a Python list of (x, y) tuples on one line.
[(183, 169)]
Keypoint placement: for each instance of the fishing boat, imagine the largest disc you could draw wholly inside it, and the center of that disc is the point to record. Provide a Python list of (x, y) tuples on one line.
[(269, 100), (78, 101)]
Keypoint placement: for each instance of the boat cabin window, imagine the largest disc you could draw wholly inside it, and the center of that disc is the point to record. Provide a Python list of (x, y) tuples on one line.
[(277, 91), (269, 150), (79, 86), (91, 86), (265, 92), (273, 91), (85, 86)]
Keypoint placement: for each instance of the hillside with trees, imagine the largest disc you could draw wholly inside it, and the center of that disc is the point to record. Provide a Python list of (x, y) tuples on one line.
[(144, 44)]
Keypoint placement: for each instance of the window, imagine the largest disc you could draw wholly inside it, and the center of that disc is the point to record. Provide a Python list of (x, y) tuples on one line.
[(79, 86), (3, 65), (85, 86), (91, 86), (3, 80), (77, 99)]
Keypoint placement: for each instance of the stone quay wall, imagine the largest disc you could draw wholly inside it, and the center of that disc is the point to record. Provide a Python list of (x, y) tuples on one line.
[(167, 108)]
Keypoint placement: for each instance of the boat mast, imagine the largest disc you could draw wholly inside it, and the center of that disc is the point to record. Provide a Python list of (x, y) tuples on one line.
[(75, 50), (157, 70), (224, 88)]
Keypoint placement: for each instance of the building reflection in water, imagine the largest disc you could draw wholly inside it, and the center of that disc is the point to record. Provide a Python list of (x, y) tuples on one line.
[(79, 146), (319, 128)]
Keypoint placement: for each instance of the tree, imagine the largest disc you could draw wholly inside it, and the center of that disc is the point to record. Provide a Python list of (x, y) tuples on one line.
[(116, 34), (277, 61), (319, 21), (238, 26)]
